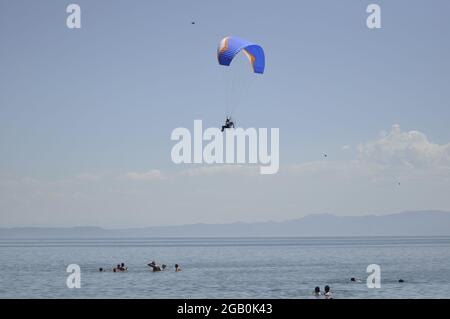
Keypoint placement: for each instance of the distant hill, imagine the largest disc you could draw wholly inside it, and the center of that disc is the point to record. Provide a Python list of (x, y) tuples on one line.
[(417, 223)]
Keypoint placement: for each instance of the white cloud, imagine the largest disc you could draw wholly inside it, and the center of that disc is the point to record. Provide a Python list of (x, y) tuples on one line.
[(388, 154), (221, 170), (151, 175), (369, 183), (405, 149), (394, 156)]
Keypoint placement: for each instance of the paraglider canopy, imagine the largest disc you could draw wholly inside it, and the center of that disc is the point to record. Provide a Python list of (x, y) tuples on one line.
[(230, 46)]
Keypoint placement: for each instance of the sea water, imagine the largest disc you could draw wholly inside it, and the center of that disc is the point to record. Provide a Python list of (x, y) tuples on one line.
[(226, 267)]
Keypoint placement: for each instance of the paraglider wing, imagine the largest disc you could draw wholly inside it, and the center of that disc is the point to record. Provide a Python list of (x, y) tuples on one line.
[(230, 46)]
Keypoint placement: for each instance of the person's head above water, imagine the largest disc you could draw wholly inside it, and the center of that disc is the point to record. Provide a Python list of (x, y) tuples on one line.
[(317, 290), (352, 279), (327, 288), (122, 264), (100, 269)]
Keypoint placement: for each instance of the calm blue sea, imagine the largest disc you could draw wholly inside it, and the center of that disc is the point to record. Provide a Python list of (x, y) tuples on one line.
[(226, 267)]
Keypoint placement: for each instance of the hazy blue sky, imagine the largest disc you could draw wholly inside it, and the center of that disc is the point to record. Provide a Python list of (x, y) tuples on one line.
[(86, 115)]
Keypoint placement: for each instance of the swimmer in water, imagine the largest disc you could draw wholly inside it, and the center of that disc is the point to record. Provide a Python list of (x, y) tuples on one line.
[(177, 268), (154, 266), (328, 294), (317, 292)]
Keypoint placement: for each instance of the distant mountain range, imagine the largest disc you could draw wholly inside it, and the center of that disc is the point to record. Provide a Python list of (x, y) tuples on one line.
[(417, 223)]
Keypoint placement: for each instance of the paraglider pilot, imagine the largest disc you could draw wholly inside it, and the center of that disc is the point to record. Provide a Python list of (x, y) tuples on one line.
[(228, 124)]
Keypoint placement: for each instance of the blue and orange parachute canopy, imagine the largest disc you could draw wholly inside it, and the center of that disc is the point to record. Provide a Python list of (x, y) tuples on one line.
[(230, 46)]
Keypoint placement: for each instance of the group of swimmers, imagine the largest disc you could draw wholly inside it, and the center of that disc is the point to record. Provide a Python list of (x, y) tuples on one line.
[(327, 294), (155, 267), (119, 268)]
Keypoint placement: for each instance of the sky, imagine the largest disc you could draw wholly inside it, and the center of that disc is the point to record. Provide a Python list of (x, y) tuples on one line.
[(86, 114)]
